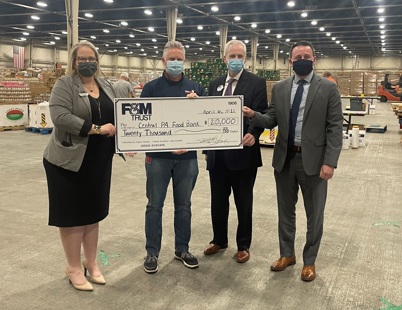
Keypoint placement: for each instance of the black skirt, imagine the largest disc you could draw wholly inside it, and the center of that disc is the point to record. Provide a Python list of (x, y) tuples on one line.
[(82, 198)]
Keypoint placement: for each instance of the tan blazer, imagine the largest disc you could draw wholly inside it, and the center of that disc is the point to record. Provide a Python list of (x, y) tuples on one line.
[(69, 109)]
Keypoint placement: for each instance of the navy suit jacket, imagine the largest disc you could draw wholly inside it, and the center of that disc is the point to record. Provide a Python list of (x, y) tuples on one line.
[(254, 90)]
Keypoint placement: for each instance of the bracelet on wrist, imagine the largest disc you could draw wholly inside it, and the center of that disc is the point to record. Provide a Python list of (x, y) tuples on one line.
[(97, 129)]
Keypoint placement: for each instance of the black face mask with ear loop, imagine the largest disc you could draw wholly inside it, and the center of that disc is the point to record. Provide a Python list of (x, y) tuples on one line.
[(87, 69), (303, 67)]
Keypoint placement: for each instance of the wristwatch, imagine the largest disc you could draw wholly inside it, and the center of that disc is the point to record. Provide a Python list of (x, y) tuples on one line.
[(97, 129)]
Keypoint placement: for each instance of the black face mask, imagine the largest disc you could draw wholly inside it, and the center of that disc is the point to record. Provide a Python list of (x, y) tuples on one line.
[(87, 69), (303, 67)]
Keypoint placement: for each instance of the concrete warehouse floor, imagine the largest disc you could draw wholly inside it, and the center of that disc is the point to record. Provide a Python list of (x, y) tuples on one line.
[(359, 265)]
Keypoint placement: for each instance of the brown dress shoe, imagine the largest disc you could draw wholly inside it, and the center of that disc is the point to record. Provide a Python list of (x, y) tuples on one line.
[(213, 248), (242, 256), (308, 273), (283, 262)]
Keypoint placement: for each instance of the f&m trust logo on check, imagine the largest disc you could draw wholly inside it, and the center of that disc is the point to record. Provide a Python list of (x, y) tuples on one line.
[(139, 111)]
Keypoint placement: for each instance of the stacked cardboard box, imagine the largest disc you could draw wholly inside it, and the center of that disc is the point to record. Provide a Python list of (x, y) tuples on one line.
[(270, 84), (343, 79), (370, 84)]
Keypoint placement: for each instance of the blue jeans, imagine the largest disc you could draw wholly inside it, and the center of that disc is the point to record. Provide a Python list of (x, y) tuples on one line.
[(184, 175)]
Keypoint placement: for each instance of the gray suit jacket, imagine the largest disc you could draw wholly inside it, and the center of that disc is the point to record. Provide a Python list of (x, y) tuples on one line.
[(69, 109), (321, 139)]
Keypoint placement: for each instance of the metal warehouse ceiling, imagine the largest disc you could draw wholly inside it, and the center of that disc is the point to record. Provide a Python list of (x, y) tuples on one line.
[(335, 27)]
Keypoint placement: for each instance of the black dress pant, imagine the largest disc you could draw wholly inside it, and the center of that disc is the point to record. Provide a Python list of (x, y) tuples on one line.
[(222, 181)]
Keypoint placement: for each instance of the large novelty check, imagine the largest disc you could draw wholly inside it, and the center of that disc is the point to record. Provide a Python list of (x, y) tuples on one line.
[(168, 124)]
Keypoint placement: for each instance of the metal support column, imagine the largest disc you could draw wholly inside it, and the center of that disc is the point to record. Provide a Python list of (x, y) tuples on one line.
[(171, 20), (254, 42), (223, 30), (72, 23), (276, 55)]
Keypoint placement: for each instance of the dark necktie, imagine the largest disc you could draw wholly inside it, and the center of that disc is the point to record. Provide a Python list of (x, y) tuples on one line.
[(294, 111), (228, 91)]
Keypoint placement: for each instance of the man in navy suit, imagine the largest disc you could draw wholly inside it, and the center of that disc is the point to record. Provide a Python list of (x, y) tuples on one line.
[(236, 169)]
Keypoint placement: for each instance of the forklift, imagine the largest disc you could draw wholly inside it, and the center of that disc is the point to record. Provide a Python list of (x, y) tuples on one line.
[(388, 91)]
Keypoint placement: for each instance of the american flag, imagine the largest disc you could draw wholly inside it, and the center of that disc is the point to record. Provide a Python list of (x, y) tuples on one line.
[(19, 57)]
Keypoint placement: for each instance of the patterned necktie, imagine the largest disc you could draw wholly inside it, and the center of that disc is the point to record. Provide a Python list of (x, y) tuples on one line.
[(294, 111), (228, 91)]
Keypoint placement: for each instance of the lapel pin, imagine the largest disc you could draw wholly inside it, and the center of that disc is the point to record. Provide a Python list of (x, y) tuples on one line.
[(220, 87)]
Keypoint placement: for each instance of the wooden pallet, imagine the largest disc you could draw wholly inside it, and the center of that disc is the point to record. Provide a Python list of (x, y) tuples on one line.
[(5, 128), (43, 131)]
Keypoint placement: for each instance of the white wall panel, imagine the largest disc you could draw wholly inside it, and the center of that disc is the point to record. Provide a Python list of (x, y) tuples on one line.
[(45, 57)]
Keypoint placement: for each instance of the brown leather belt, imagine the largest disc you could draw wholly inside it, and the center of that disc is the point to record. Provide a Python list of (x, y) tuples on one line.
[(295, 149)]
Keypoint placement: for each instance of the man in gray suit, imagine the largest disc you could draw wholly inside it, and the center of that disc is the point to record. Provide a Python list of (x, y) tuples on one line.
[(308, 112)]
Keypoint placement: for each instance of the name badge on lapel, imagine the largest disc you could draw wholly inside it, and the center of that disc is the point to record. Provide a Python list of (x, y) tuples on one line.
[(220, 88), (84, 94)]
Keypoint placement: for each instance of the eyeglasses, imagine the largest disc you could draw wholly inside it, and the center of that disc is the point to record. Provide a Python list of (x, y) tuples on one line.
[(85, 59)]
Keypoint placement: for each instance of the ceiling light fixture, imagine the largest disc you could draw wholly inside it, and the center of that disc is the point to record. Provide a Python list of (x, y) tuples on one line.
[(42, 4), (207, 42), (267, 31), (382, 26), (25, 33), (217, 33), (287, 40), (234, 38), (321, 28), (131, 35), (214, 8), (106, 31), (279, 36), (153, 40), (381, 19), (253, 25), (151, 29), (118, 41), (108, 1), (179, 21), (200, 27), (246, 41), (291, 4), (35, 17), (147, 12), (192, 39), (89, 15), (328, 34), (30, 27), (304, 14), (314, 22), (380, 10), (237, 18), (123, 23), (57, 38), (93, 37)]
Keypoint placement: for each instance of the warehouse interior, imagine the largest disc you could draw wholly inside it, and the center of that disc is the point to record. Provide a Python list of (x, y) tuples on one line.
[(359, 263), (358, 266)]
